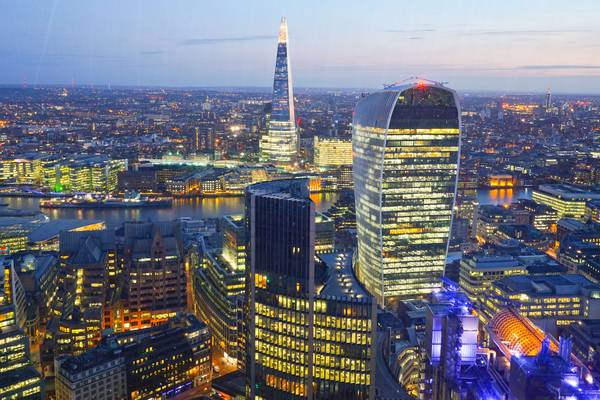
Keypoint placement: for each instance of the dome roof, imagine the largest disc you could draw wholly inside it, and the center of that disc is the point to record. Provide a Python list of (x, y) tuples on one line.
[(517, 334)]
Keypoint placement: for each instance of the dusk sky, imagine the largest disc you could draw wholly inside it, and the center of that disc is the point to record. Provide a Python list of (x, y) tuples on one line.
[(524, 45)]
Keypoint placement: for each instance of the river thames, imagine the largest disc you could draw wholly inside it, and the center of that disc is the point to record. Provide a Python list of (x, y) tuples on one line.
[(212, 207)]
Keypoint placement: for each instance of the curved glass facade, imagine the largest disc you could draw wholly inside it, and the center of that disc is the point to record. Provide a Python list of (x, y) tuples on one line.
[(406, 143)]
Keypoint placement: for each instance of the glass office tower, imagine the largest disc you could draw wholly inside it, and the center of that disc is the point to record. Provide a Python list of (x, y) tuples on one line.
[(406, 142), (280, 145), (308, 334), (279, 288)]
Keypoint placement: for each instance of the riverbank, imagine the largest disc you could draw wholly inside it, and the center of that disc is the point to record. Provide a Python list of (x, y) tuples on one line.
[(195, 207)]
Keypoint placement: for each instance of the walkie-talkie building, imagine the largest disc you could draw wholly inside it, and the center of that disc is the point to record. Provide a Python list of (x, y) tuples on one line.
[(406, 142), (280, 145)]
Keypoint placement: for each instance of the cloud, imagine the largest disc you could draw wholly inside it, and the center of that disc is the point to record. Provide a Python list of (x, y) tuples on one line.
[(398, 68), (528, 32), (409, 30), (52, 58), (558, 67), (416, 38), (151, 52), (205, 41)]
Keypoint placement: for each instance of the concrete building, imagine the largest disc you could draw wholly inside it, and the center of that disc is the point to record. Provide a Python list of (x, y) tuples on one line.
[(332, 153), (551, 301), (99, 373), (154, 263), (158, 362), (479, 271)]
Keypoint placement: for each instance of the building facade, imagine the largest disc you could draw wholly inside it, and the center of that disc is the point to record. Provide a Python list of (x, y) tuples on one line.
[(548, 300), (18, 378), (154, 263), (567, 200), (331, 153), (478, 272), (302, 340), (158, 362), (77, 173), (406, 142), (219, 287), (98, 374)]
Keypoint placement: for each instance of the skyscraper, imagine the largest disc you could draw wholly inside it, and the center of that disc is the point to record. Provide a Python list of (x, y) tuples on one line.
[(308, 333), (280, 145), (406, 142), (548, 100)]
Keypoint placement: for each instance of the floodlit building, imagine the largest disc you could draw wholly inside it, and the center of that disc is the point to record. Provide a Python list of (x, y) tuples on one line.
[(567, 200), (154, 263), (219, 287), (25, 169), (76, 173), (478, 271), (406, 142), (18, 378), (331, 153), (450, 346), (156, 362), (548, 300), (280, 145), (534, 365)]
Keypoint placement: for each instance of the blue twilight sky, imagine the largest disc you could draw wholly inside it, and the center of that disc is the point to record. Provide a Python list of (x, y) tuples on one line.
[(524, 45)]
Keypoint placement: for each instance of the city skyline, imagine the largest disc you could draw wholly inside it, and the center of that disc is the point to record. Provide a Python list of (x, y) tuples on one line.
[(175, 223), (229, 45)]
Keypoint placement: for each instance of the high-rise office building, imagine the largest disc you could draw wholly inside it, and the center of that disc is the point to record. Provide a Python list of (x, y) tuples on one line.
[(18, 378), (308, 334), (406, 142), (219, 287), (280, 144)]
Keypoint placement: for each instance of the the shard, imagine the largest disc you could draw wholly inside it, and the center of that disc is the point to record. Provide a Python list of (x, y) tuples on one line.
[(280, 144)]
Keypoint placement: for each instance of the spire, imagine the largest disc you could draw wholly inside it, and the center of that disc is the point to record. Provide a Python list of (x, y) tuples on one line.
[(283, 31), (280, 144)]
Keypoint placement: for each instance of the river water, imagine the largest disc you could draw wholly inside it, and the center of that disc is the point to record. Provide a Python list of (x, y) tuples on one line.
[(212, 207), (502, 196), (188, 207)]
